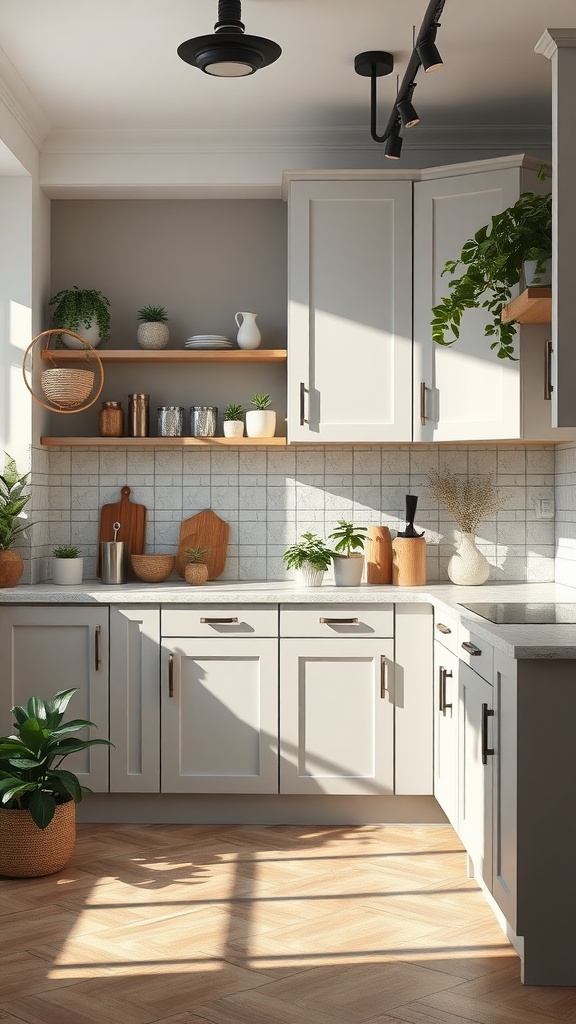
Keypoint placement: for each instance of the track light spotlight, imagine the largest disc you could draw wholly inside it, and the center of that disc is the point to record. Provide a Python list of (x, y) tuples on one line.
[(393, 147), (428, 51), (229, 53), (407, 113)]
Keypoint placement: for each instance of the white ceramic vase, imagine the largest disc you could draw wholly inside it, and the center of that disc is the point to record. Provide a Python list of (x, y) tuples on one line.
[(67, 572), (468, 567), (152, 334), (248, 334), (91, 334), (348, 570), (260, 423), (233, 428), (308, 576)]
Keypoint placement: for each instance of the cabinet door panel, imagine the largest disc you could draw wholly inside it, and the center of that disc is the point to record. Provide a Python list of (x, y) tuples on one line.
[(49, 649), (476, 778), (349, 320), (336, 716), (135, 699), (505, 880), (446, 731), (220, 726)]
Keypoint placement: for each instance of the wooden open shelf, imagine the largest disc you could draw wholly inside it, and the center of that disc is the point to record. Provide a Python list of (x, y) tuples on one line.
[(533, 306), (161, 442), (169, 355)]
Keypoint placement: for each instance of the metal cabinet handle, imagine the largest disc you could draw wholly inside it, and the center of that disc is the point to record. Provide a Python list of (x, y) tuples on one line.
[(442, 628), (383, 676), (423, 404), (170, 675), (302, 403), (212, 622), (339, 622), (486, 750), (444, 674), (471, 649), (97, 657), (548, 388)]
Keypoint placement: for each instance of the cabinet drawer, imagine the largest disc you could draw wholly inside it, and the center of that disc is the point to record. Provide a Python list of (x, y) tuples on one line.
[(446, 630), (220, 620), (477, 653), (333, 620)]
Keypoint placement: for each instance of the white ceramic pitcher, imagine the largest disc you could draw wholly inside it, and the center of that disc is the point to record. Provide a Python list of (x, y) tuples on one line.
[(248, 334)]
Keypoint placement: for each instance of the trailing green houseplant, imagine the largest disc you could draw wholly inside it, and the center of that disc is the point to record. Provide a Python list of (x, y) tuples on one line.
[(492, 264), (78, 309), (30, 774)]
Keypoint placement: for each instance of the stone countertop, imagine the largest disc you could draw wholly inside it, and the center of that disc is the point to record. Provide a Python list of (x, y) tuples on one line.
[(517, 641)]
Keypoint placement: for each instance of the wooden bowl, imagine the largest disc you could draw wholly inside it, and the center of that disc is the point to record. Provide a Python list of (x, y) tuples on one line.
[(152, 568)]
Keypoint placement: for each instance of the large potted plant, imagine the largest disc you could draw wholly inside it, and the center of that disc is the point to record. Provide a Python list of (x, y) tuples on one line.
[(348, 554), (38, 798), (13, 521), (310, 557), (84, 311), (493, 264)]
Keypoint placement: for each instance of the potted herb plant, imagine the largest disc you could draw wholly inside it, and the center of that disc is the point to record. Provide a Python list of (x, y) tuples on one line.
[(67, 565), (493, 264), (12, 521), (38, 798), (153, 328), (84, 311), (233, 421), (261, 420), (348, 554), (196, 570), (310, 557)]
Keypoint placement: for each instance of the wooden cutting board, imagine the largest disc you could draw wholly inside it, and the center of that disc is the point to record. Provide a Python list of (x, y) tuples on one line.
[(132, 519), (204, 530)]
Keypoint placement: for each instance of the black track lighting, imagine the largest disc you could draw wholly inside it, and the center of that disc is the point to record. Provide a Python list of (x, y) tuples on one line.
[(408, 115), (428, 51), (229, 53), (393, 147)]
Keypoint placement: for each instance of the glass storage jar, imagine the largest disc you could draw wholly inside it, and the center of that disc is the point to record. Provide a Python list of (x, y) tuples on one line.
[(170, 420)]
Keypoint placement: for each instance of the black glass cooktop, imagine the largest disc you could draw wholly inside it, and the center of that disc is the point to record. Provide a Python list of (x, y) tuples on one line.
[(524, 614)]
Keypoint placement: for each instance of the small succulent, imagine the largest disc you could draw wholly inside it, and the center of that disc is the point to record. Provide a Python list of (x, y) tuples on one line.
[(233, 412), (196, 555), (66, 551), (153, 314), (261, 401)]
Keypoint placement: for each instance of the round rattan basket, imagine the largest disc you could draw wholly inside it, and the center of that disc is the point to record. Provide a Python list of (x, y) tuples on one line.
[(27, 851), (152, 568), (67, 388), (64, 389)]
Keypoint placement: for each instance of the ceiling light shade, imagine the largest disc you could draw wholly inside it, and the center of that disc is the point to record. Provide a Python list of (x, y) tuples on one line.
[(407, 113), (393, 146), (229, 52), (428, 52)]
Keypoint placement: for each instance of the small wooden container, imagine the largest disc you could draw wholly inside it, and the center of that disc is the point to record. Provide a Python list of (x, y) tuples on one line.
[(409, 561), (378, 555)]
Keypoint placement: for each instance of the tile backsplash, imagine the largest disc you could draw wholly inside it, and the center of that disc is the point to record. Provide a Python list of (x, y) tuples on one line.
[(271, 496)]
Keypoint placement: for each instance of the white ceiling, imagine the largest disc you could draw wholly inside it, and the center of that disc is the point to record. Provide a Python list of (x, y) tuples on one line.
[(112, 64)]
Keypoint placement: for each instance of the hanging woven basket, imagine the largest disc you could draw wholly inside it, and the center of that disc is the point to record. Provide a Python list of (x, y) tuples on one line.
[(66, 389), (27, 851)]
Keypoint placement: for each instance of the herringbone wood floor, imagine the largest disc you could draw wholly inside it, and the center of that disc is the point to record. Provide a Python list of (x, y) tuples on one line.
[(261, 925)]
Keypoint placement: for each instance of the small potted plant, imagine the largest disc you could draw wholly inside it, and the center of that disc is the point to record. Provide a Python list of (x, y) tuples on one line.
[(153, 328), (261, 420), (196, 570), (233, 421), (38, 797), (310, 558), (348, 554), (12, 521), (84, 311), (67, 565), (493, 263)]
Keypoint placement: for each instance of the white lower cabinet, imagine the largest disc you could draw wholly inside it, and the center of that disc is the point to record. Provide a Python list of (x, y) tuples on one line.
[(46, 649), (135, 699), (446, 731), (476, 709)]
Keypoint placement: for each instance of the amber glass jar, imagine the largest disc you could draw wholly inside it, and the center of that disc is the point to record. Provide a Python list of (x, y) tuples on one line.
[(111, 420)]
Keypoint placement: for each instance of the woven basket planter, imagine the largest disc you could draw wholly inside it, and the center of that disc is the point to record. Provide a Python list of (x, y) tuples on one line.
[(196, 573), (11, 567), (67, 388), (27, 851)]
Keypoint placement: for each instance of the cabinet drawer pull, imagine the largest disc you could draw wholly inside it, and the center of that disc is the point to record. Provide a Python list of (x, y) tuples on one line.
[(302, 412), (339, 622), (423, 404), (471, 649), (97, 657), (444, 675), (216, 622), (383, 676), (442, 628), (548, 388), (486, 750), (170, 675)]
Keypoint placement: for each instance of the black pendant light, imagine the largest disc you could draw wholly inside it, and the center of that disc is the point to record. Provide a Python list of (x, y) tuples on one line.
[(229, 53)]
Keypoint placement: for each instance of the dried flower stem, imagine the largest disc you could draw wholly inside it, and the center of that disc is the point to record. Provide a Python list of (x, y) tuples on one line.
[(468, 501)]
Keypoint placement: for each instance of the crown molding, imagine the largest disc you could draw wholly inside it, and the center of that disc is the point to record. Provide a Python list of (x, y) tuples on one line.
[(21, 104), (554, 38)]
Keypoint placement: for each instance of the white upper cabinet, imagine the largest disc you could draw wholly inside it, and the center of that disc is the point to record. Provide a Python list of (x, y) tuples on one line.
[(349, 314)]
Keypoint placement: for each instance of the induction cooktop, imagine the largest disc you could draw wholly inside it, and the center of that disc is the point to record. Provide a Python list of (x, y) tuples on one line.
[(525, 613)]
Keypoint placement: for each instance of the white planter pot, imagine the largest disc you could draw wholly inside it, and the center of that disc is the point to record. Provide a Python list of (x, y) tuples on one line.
[(91, 334), (544, 279), (152, 335), (348, 571), (260, 423), (308, 576), (66, 572), (233, 428), (468, 567)]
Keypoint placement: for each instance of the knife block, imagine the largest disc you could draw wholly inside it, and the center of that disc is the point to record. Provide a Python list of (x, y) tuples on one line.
[(378, 555), (408, 561)]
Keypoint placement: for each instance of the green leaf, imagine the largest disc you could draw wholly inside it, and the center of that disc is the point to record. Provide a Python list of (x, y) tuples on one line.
[(74, 725), (69, 783), (32, 734), (42, 808), (16, 790), (36, 708), (61, 700)]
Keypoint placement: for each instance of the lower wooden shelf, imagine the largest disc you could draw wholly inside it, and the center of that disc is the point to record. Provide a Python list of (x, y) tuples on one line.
[(532, 306), (160, 442)]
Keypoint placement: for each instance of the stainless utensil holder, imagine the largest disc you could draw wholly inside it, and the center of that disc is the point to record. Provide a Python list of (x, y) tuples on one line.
[(113, 562)]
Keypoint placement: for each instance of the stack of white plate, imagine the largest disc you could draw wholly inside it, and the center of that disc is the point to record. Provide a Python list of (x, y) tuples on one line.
[(208, 341)]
